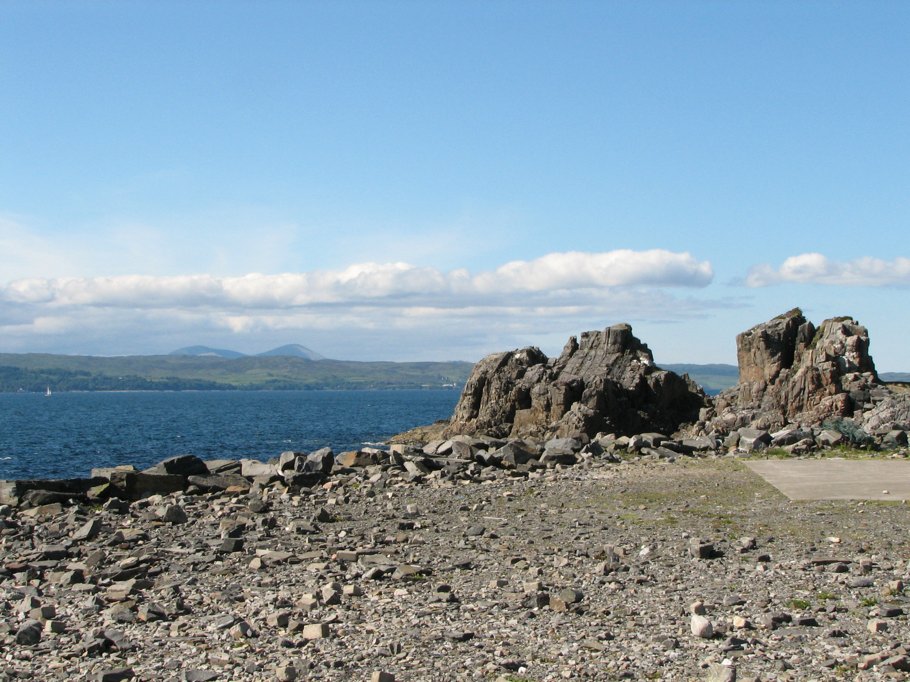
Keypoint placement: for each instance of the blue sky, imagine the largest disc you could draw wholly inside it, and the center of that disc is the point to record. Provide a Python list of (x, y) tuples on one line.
[(430, 180)]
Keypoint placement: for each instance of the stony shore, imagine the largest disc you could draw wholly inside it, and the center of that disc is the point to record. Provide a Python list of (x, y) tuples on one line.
[(619, 567)]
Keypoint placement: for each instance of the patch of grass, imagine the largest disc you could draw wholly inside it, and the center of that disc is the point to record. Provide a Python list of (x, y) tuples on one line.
[(826, 596), (869, 601), (801, 604), (845, 452), (775, 453)]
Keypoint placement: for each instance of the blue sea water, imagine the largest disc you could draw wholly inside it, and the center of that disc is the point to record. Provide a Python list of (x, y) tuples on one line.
[(66, 434)]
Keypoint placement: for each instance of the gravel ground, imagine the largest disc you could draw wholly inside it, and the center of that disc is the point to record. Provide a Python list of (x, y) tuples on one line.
[(644, 569)]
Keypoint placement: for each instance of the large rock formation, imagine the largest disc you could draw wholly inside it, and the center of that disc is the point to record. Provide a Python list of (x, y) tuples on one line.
[(607, 381), (791, 372)]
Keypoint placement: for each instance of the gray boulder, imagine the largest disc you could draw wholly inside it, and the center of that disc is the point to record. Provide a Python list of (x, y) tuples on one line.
[(181, 465), (321, 461)]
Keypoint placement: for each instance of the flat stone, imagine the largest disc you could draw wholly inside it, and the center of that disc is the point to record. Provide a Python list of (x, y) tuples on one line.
[(116, 675), (315, 631), (199, 675)]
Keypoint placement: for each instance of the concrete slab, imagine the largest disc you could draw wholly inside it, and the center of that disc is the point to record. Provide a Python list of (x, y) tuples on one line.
[(836, 479)]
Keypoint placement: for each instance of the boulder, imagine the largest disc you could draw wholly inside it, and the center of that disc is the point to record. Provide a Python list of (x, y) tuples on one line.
[(321, 460), (182, 465), (135, 485), (15, 492), (514, 454), (356, 458), (753, 440), (291, 461), (253, 468), (219, 482), (605, 381)]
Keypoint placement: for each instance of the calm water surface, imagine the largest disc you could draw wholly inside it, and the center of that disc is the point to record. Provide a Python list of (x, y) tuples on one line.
[(67, 434)]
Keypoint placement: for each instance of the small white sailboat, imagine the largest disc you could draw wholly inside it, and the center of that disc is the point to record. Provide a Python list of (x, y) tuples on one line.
[(47, 393)]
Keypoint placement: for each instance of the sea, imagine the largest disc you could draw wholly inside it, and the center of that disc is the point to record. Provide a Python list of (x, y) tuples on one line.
[(64, 435)]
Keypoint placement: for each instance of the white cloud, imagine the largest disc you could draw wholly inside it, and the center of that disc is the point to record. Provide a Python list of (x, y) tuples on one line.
[(546, 279), (815, 268), (577, 270), (387, 310)]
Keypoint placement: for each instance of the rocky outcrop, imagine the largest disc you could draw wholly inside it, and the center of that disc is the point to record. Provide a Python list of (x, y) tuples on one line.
[(794, 377), (603, 382), (792, 372)]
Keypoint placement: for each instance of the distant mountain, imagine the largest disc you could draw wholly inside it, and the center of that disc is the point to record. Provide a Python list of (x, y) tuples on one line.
[(292, 350), (895, 376), (206, 351)]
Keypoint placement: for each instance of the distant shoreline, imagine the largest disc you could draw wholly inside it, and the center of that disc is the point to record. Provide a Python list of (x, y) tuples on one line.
[(231, 389), (36, 372)]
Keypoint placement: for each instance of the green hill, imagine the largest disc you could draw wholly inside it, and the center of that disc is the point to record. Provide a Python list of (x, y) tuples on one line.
[(712, 378), (36, 372)]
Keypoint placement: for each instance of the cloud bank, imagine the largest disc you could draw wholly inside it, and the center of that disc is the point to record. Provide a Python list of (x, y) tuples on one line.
[(814, 268), (556, 274), (554, 290)]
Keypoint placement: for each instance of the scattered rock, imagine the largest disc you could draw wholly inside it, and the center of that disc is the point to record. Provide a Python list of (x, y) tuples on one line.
[(701, 627)]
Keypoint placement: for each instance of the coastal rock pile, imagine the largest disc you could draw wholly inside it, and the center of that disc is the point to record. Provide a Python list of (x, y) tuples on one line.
[(606, 382), (791, 372), (800, 387), (631, 569)]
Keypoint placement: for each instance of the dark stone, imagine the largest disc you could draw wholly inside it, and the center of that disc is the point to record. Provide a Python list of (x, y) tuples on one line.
[(137, 485), (513, 455), (321, 460), (229, 545), (701, 550), (219, 482), (29, 632), (181, 465), (12, 492)]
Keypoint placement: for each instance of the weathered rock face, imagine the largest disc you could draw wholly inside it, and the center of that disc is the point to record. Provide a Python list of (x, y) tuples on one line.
[(791, 372), (606, 381)]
